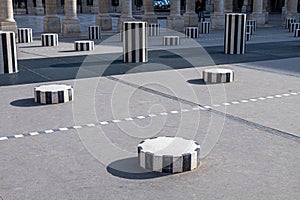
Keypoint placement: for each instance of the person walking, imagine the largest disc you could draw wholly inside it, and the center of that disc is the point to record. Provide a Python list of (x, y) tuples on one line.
[(199, 9)]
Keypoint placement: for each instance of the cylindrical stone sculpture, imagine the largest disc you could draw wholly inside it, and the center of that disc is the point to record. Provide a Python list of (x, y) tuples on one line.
[(153, 29), (94, 32), (205, 27), (53, 94), (84, 45), (8, 58), (24, 35), (49, 39), (171, 40), (191, 32), (135, 42), (169, 154), (235, 28), (252, 22), (297, 33), (218, 75)]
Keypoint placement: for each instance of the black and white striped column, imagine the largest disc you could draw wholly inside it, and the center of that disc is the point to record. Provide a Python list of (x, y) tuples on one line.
[(8, 58), (84, 45), (288, 22), (252, 23), (94, 32), (249, 29), (49, 39), (235, 28), (171, 40), (24, 35), (53, 94), (294, 26), (191, 32), (135, 42), (297, 33), (205, 27), (218, 75), (153, 29), (169, 154)]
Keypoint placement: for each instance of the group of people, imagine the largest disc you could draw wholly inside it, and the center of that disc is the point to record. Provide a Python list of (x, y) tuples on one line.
[(199, 9)]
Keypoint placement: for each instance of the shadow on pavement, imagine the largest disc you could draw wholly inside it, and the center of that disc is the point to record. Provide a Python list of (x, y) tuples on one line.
[(129, 168), (197, 81), (29, 102)]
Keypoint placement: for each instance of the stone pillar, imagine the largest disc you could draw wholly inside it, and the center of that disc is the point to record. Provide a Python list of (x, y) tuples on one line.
[(126, 12), (39, 9), (190, 17), (265, 11), (218, 19), (175, 21), (228, 6), (71, 24), (245, 6), (103, 19), (30, 7), (7, 21), (149, 15), (51, 20), (257, 13), (95, 7), (292, 9)]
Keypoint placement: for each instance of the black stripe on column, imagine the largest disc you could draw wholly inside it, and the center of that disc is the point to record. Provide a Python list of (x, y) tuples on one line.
[(60, 97), (149, 161), (38, 96), (167, 164), (242, 40), (125, 40), (227, 77), (186, 163), (141, 40), (13, 50), (48, 97), (70, 94), (236, 32), (132, 40), (5, 52)]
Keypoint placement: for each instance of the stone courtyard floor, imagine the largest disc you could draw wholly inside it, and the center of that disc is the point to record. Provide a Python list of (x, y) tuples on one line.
[(248, 130)]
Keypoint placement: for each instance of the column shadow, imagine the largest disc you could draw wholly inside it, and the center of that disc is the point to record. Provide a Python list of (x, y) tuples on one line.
[(197, 81), (29, 102)]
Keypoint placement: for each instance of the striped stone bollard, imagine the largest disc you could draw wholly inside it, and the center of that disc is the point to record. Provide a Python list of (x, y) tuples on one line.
[(191, 32), (84, 45), (94, 32), (135, 42), (252, 22), (153, 29), (248, 36), (205, 27), (288, 22), (235, 28), (297, 33), (218, 75), (49, 39), (171, 40), (24, 35), (169, 154), (249, 29), (8, 58), (294, 26), (53, 94)]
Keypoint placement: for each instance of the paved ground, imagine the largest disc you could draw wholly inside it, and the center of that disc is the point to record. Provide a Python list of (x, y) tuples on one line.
[(248, 130)]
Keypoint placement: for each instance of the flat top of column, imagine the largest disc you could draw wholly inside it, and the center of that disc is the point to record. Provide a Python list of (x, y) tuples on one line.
[(134, 22), (6, 32), (241, 14)]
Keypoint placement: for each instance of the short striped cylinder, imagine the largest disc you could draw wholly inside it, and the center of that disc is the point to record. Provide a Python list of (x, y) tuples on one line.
[(153, 29), (84, 45), (218, 75), (24, 35), (8, 57), (205, 27), (49, 39), (249, 29), (171, 40), (53, 94), (252, 23), (248, 36), (191, 32), (235, 28), (94, 32), (169, 154), (288, 22), (135, 42), (297, 33), (294, 26)]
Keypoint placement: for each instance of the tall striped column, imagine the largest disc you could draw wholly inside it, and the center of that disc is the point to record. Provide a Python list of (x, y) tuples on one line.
[(135, 42), (153, 29), (235, 28), (8, 58)]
